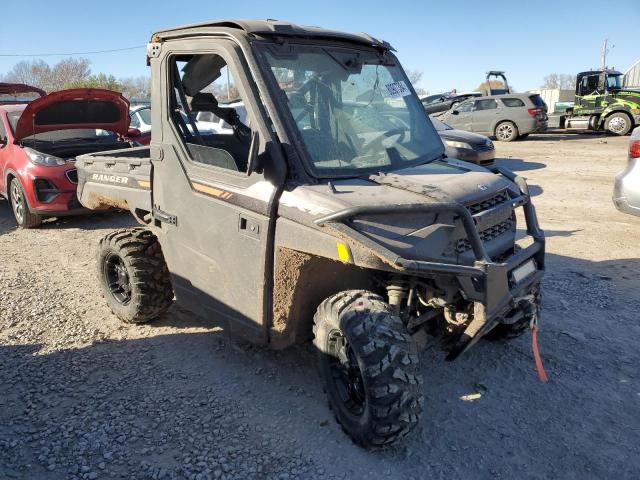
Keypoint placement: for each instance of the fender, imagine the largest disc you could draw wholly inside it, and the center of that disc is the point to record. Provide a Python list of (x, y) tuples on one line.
[(619, 105)]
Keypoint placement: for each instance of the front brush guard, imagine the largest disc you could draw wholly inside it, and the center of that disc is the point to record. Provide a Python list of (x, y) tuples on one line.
[(485, 282)]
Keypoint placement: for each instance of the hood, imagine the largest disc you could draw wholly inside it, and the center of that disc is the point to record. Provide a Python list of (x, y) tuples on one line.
[(462, 136), (76, 108), (19, 88), (440, 181)]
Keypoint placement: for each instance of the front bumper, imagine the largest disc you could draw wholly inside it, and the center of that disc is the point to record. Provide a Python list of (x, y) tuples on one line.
[(51, 191), (487, 283)]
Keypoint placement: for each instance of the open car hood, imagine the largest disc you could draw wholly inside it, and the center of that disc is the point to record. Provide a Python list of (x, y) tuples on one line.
[(19, 88), (75, 108)]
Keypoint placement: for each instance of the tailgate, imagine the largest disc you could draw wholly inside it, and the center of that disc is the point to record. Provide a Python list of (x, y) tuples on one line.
[(115, 179)]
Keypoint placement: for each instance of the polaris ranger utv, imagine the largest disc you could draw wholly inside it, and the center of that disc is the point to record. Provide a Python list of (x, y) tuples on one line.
[(326, 210)]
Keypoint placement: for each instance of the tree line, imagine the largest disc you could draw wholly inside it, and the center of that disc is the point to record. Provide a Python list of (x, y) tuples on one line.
[(74, 73)]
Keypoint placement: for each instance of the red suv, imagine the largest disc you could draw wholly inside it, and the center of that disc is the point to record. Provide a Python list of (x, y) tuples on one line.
[(39, 140)]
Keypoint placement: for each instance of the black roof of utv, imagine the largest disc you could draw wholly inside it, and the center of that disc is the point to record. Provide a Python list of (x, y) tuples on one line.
[(269, 28)]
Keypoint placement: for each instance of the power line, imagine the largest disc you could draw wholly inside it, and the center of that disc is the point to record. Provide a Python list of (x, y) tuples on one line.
[(69, 54)]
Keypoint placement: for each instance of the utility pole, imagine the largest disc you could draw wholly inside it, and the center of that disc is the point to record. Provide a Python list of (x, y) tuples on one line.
[(605, 50)]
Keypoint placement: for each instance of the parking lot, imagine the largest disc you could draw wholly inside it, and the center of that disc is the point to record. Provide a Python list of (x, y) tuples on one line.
[(83, 396)]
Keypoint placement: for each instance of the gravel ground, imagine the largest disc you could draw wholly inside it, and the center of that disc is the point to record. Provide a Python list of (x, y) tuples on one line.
[(82, 396)]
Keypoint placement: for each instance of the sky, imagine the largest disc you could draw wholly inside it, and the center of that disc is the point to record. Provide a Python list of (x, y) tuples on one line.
[(454, 43)]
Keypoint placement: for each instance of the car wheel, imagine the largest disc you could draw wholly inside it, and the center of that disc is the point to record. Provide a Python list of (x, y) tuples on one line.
[(20, 207), (369, 367), (619, 123), (506, 131)]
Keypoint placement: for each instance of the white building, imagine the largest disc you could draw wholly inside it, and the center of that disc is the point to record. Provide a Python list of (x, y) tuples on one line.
[(632, 76)]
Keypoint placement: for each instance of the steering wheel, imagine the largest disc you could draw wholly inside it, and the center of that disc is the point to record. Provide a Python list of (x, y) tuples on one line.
[(378, 141)]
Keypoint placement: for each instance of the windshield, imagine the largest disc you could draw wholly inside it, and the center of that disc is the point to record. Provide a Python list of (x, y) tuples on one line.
[(614, 82), (64, 135), (354, 110), (440, 126)]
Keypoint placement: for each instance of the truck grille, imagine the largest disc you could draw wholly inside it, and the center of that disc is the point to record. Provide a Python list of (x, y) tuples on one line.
[(463, 245), (72, 175), (488, 203)]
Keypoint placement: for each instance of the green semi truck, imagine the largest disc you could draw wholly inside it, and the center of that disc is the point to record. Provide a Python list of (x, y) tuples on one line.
[(601, 103)]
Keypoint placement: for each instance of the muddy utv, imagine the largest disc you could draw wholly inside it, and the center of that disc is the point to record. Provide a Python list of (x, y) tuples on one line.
[(325, 210)]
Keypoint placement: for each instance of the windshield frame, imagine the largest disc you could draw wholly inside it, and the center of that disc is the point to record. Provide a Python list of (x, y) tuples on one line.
[(386, 57)]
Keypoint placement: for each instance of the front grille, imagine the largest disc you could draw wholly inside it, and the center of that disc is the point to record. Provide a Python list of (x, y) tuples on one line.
[(484, 147), (464, 245), (72, 175), (489, 203)]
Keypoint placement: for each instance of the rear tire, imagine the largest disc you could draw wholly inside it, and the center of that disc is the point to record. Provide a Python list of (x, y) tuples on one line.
[(20, 206), (618, 123), (506, 132), (134, 276), (369, 367)]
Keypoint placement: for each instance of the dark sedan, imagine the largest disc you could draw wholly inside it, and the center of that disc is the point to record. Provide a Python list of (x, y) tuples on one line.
[(467, 146), (445, 101)]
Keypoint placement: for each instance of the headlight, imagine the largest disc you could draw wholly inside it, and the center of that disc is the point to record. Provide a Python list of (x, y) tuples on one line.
[(454, 144), (38, 158)]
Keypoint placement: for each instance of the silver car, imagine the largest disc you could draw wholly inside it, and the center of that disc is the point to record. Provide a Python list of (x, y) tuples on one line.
[(626, 190), (505, 117)]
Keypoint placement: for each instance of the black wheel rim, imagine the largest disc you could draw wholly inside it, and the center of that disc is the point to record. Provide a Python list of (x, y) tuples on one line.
[(346, 374), (117, 279), (17, 202)]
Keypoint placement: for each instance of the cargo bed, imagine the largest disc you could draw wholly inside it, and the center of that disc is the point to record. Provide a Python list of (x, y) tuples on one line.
[(116, 179)]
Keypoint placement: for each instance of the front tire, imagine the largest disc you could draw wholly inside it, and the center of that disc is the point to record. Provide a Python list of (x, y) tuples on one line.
[(618, 123), (134, 276), (20, 207), (506, 131), (369, 367)]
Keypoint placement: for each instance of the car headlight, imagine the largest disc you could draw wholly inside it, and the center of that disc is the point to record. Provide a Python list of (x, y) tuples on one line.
[(454, 144), (38, 158)]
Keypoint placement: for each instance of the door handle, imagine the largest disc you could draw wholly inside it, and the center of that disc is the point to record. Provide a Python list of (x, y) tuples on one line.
[(248, 226)]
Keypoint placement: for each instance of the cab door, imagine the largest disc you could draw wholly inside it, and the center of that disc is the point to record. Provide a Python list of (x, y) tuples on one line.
[(215, 220)]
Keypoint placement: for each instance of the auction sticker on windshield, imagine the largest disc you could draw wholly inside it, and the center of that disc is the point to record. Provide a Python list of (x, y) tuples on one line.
[(397, 89)]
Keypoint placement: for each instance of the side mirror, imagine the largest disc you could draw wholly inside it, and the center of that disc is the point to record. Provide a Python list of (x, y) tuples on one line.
[(253, 163), (455, 112), (133, 133)]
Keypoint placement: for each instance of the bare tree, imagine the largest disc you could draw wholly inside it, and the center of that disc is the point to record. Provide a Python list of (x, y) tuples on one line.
[(559, 80), (40, 74), (414, 77), (136, 88), (33, 72), (69, 70)]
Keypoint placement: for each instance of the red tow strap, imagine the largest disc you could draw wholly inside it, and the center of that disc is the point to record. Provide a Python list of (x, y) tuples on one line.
[(536, 353)]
